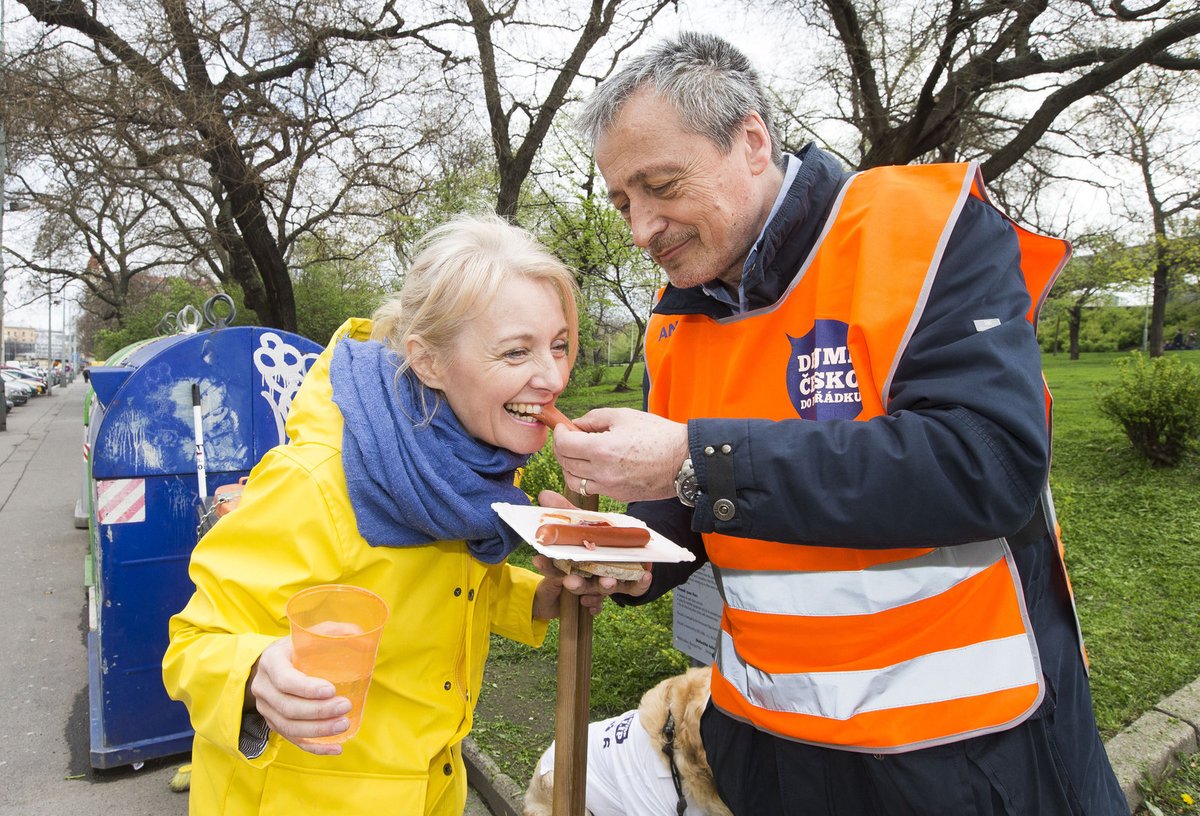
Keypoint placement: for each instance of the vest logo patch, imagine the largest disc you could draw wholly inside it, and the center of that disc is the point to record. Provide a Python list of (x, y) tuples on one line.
[(821, 381), (667, 330)]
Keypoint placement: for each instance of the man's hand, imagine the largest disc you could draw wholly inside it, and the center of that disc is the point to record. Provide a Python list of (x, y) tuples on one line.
[(295, 705), (626, 454)]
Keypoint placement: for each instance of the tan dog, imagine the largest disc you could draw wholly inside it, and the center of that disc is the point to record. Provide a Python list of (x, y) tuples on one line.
[(621, 776)]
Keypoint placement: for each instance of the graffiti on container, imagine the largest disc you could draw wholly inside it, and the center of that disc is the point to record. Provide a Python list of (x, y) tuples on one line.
[(282, 367), (225, 445)]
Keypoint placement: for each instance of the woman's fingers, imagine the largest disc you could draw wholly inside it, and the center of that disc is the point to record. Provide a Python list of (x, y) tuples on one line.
[(295, 705)]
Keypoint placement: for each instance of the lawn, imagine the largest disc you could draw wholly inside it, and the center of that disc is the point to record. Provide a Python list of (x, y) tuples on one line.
[(1131, 534), (1130, 531)]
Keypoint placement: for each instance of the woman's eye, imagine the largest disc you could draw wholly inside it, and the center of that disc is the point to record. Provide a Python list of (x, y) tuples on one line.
[(516, 354), (560, 348)]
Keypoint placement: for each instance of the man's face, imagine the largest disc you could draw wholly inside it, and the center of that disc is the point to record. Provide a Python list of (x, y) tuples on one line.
[(695, 209)]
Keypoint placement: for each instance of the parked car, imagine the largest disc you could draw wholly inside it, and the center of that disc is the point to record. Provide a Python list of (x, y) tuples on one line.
[(17, 389), (37, 382)]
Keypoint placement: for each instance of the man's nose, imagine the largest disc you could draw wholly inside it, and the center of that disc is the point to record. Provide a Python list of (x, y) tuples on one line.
[(645, 223)]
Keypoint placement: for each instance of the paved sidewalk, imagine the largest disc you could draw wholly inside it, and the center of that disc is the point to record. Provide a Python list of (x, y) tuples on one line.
[(44, 719)]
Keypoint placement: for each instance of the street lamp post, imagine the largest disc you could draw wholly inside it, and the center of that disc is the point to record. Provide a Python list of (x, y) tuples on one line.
[(49, 339), (3, 206)]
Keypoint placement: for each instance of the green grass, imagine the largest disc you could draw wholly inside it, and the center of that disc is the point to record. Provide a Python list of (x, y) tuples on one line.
[(1178, 794), (1131, 534)]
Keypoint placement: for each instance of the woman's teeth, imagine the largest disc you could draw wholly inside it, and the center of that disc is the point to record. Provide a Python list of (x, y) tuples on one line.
[(524, 410)]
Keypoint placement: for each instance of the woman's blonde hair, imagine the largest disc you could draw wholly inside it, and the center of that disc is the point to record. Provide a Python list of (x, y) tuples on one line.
[(459, 268)]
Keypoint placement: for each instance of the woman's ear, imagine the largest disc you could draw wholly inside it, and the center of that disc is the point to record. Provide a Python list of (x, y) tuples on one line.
[(422, 361)]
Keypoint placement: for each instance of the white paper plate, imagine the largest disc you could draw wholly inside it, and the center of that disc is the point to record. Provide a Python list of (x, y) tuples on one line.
[(526, 519)]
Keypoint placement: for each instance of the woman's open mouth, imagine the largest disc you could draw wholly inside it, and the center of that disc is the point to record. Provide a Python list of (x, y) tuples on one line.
[(524, 411)]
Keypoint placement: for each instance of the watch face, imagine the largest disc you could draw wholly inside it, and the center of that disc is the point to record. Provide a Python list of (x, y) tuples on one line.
[(686, 486), (689, 489)]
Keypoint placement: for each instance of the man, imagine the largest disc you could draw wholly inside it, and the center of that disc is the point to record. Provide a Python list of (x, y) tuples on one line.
[(847, 419)]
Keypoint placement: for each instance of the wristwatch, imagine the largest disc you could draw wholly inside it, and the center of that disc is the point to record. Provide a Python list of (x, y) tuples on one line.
[(686, 486)]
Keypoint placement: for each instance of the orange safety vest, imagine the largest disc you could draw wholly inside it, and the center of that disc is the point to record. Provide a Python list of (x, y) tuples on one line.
[(865, 650)]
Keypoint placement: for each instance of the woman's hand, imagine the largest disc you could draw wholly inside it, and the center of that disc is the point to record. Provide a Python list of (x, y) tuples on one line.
[(295, 705), (591, 590)]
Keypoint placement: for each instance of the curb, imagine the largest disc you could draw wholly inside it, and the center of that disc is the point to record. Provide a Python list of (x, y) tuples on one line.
[(1151, 747), (1144, 751), (501, 795)]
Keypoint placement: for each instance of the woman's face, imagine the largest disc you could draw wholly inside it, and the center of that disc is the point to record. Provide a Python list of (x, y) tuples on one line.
[(510, 357)]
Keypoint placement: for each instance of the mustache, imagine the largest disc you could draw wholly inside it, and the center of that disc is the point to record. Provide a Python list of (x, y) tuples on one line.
[(663, 241)]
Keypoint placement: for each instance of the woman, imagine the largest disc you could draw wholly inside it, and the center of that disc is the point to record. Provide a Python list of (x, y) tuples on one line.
[(398, 448)]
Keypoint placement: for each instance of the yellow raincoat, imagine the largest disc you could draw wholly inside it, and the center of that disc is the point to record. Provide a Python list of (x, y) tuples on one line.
[(295, 528)]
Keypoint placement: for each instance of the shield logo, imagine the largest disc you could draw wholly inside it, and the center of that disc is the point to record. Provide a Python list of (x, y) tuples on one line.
[(821, 381)]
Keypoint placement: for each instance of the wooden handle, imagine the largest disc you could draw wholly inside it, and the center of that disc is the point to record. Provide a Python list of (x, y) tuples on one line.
[(574, 695)]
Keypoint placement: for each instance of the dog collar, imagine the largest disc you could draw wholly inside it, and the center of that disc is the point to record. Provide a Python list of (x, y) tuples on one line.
[(669, 749)]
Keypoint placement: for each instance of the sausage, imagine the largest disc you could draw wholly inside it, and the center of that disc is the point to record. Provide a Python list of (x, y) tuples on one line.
[(592, 535), (551, 416)]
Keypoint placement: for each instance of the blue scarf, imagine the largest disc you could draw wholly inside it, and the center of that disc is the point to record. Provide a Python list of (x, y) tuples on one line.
[(411, 482)]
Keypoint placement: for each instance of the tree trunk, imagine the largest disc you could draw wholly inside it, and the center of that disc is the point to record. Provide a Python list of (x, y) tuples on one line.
[(1158, 306), (1074, 318)]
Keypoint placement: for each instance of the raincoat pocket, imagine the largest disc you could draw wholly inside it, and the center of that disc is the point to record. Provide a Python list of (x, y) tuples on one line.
[(290, 790)]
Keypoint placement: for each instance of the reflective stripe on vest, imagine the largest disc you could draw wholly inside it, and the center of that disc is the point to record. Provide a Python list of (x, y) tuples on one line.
[(1001, 664), (859, 592), (869, 650)]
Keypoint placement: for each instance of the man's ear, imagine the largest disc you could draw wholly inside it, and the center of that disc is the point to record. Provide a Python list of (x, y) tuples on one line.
[(757, 143), (423, 361)]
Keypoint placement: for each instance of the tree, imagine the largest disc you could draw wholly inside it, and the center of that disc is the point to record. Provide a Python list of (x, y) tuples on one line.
[(330, 288), (280, 104), (119, 229), (1100, 266), (590, 236), (151, 301), (516, 47), (922, 82), (1140, 123)]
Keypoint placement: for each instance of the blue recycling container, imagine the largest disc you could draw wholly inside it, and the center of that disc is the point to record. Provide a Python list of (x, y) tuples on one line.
[(145, 507)]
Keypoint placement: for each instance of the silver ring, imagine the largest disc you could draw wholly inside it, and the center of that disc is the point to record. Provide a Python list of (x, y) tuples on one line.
[(583, 487)]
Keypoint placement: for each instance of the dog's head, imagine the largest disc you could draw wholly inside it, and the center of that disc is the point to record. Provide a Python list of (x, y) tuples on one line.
[(686, 695)]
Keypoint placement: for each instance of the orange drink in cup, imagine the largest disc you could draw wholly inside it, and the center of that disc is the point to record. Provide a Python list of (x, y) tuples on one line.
[(335, 635)]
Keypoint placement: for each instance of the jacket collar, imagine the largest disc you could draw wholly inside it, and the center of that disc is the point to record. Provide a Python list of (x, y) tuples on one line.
[(786, 241)]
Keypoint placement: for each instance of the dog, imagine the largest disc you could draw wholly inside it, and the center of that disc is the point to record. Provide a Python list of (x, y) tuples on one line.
[(621, 778)]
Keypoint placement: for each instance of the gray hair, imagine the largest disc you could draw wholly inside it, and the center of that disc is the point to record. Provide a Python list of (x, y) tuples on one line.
[(711, 84)]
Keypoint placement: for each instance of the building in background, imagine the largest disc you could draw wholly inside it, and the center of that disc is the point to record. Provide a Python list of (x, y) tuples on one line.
[(21, 342)]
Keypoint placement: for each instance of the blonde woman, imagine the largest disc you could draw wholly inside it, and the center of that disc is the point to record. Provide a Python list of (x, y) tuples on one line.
[(403, 434)]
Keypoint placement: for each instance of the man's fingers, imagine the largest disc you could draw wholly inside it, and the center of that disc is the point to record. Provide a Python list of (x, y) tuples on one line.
[(597, 420)]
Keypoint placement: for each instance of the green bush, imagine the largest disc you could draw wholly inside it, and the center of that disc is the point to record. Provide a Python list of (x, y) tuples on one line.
[(541, 473), (1157, 403)]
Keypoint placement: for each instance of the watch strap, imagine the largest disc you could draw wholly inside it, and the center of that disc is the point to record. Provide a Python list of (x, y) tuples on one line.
[(718, 478)]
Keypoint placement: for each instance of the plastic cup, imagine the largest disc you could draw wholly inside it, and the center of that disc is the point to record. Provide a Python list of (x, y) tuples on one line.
[(335, 635)]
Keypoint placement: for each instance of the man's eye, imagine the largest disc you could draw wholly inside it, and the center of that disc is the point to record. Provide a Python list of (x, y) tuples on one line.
[(663, 189)]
